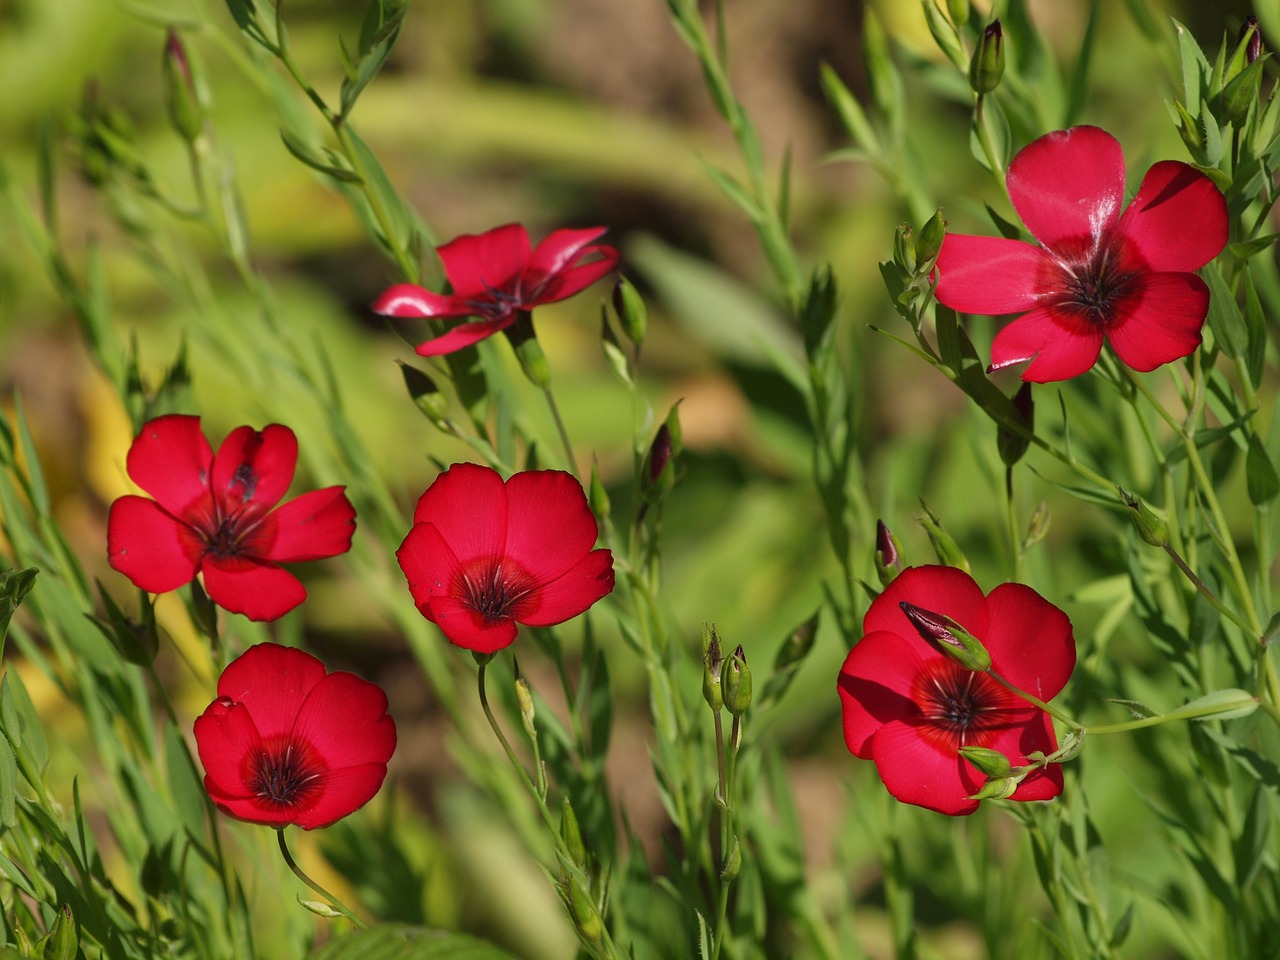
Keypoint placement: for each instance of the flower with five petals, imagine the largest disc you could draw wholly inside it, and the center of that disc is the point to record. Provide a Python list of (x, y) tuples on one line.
[(497, 277), (485, 555), (217, 516), (1098, 273)]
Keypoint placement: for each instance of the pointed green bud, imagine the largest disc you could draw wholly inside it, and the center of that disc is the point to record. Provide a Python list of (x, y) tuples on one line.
[(659, 471), (1013, 446), (888, 555), (1189, 129), (62, 941), (425, 394), (185, 113), (598, 497), (631, 311), (1240, 93), (798, 643), (1150, 527), (991, 762), (958, 10), (904, 250), (944, 545), (948, 638), (320, 908), (1272, 633), (524, 699), (585, 916), (733, 862), (737, 683), (712, 667), (929, 242), (528, 351), (571, 833), (998, 789), (1038, 527), (204, 612), (987, 66)]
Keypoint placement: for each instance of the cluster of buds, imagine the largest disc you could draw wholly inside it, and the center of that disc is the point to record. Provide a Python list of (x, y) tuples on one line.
[(726, 683)]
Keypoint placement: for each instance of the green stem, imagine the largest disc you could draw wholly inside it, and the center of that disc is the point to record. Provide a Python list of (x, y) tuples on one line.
[(1036, 701), (1208, 594), (297, 871), (1011, 516), (984, 139), (571, 461)]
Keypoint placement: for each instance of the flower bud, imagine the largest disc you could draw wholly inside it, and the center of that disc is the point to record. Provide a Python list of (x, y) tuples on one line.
[(733, 862), (904, 250), (426, 396), (712, 667), (948, 638), (659, 473), (888, 555), (524, 699), (1150, 527), (1013, 445), (958, 10), (944, 545), (1038, 527), (991, 762), (987, 65), (737, 683), (631, 311), (62, 941), (320, 908), (598, 497), (998, 789), (585, 916), (571, 833), (1251, 32), (929, 242), (1240, 93), (1272, 633), (185, 112), (798, 643)]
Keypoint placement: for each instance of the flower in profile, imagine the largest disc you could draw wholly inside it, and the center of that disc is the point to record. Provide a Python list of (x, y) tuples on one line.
[(910, 708), (285, 742), (496, 277), (484, 555), (1097, 274), (217, 516)]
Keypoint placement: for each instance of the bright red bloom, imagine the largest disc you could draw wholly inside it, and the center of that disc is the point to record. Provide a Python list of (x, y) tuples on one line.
[(213, 515), (484, 555), (286, 742), (910, 708), (1098, 274), (496, 276)]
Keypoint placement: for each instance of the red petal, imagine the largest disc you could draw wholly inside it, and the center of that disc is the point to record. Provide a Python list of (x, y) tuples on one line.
[(1178, 220), (254, 467), (410, 300), (1060, 352), (463, 335), (938, 589), (260, 591), (344, 720), (226, 737), (1068, 184), (272, 682), (171, 459), (149, 546), (468, 505), (466, 628), (560, 249), (991, 275), (429, 564), (477, 264), (1030, 640), (915, 770), (876, 686), (315, 525), (1165, 322), (550, 527), (576, 279), (343, 792), (570, 594), (1033, 732)]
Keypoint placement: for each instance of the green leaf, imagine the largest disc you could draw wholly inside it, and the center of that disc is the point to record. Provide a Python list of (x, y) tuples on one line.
[(397, 942), (1250, 848), (14, 586), (1194, 68), (1225, 318), (850, 112), (8, 785), (303, 153), (1260, 473)]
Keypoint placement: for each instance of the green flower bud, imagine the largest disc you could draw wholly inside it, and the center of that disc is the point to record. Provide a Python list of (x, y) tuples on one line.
[(1189, 129), (737, 683), (904, 250), (958, 10), (733, 862), (998, 789), (712, 667), (888, 555), (425, 394), (585, 916), (631, 311), (944, 545), (185, 113), (524, 699), (1038, 527), (929, 242), (798, 643), (598, 497), (948, 638), (1013, 446), (571, 833), (1150, 527), (987, 65), (1240, 93), (991, 762), (62, 941)]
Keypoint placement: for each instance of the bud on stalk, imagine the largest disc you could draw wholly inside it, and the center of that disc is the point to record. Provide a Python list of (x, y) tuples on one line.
[(987, 66), (737, 683), (185, 112), (948, 638)]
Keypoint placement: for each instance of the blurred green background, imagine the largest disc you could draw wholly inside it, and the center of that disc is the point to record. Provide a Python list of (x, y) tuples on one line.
[(578, 113)]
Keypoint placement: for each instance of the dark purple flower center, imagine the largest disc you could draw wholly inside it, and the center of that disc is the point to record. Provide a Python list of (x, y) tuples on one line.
[(285, 774), (960, 707), (1098, 283), (493, 588)]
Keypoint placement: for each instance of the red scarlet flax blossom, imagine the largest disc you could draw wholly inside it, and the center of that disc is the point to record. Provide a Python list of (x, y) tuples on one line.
[(287, 743), (496, 276), (909, 708), (217, 516), (1097, 274), (484, 555)]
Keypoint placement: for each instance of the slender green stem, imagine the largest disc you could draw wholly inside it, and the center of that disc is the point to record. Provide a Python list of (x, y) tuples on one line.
[(1011, 517), (1208, 594), (727, 759), (984, 138), (298, 872), (1036, 701), (571, 461)]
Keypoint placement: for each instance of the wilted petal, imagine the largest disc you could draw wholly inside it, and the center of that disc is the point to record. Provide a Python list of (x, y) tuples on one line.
[(1068, 184)]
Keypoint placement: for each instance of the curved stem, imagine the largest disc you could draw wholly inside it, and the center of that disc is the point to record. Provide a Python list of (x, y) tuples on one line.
[(298, 872), (572, 463)]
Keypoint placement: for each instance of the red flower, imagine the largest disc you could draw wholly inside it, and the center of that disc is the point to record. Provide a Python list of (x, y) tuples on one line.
[(213, 515), (287, 743), (495, 276), (1098, 274), (484, 555), (910, 708)]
